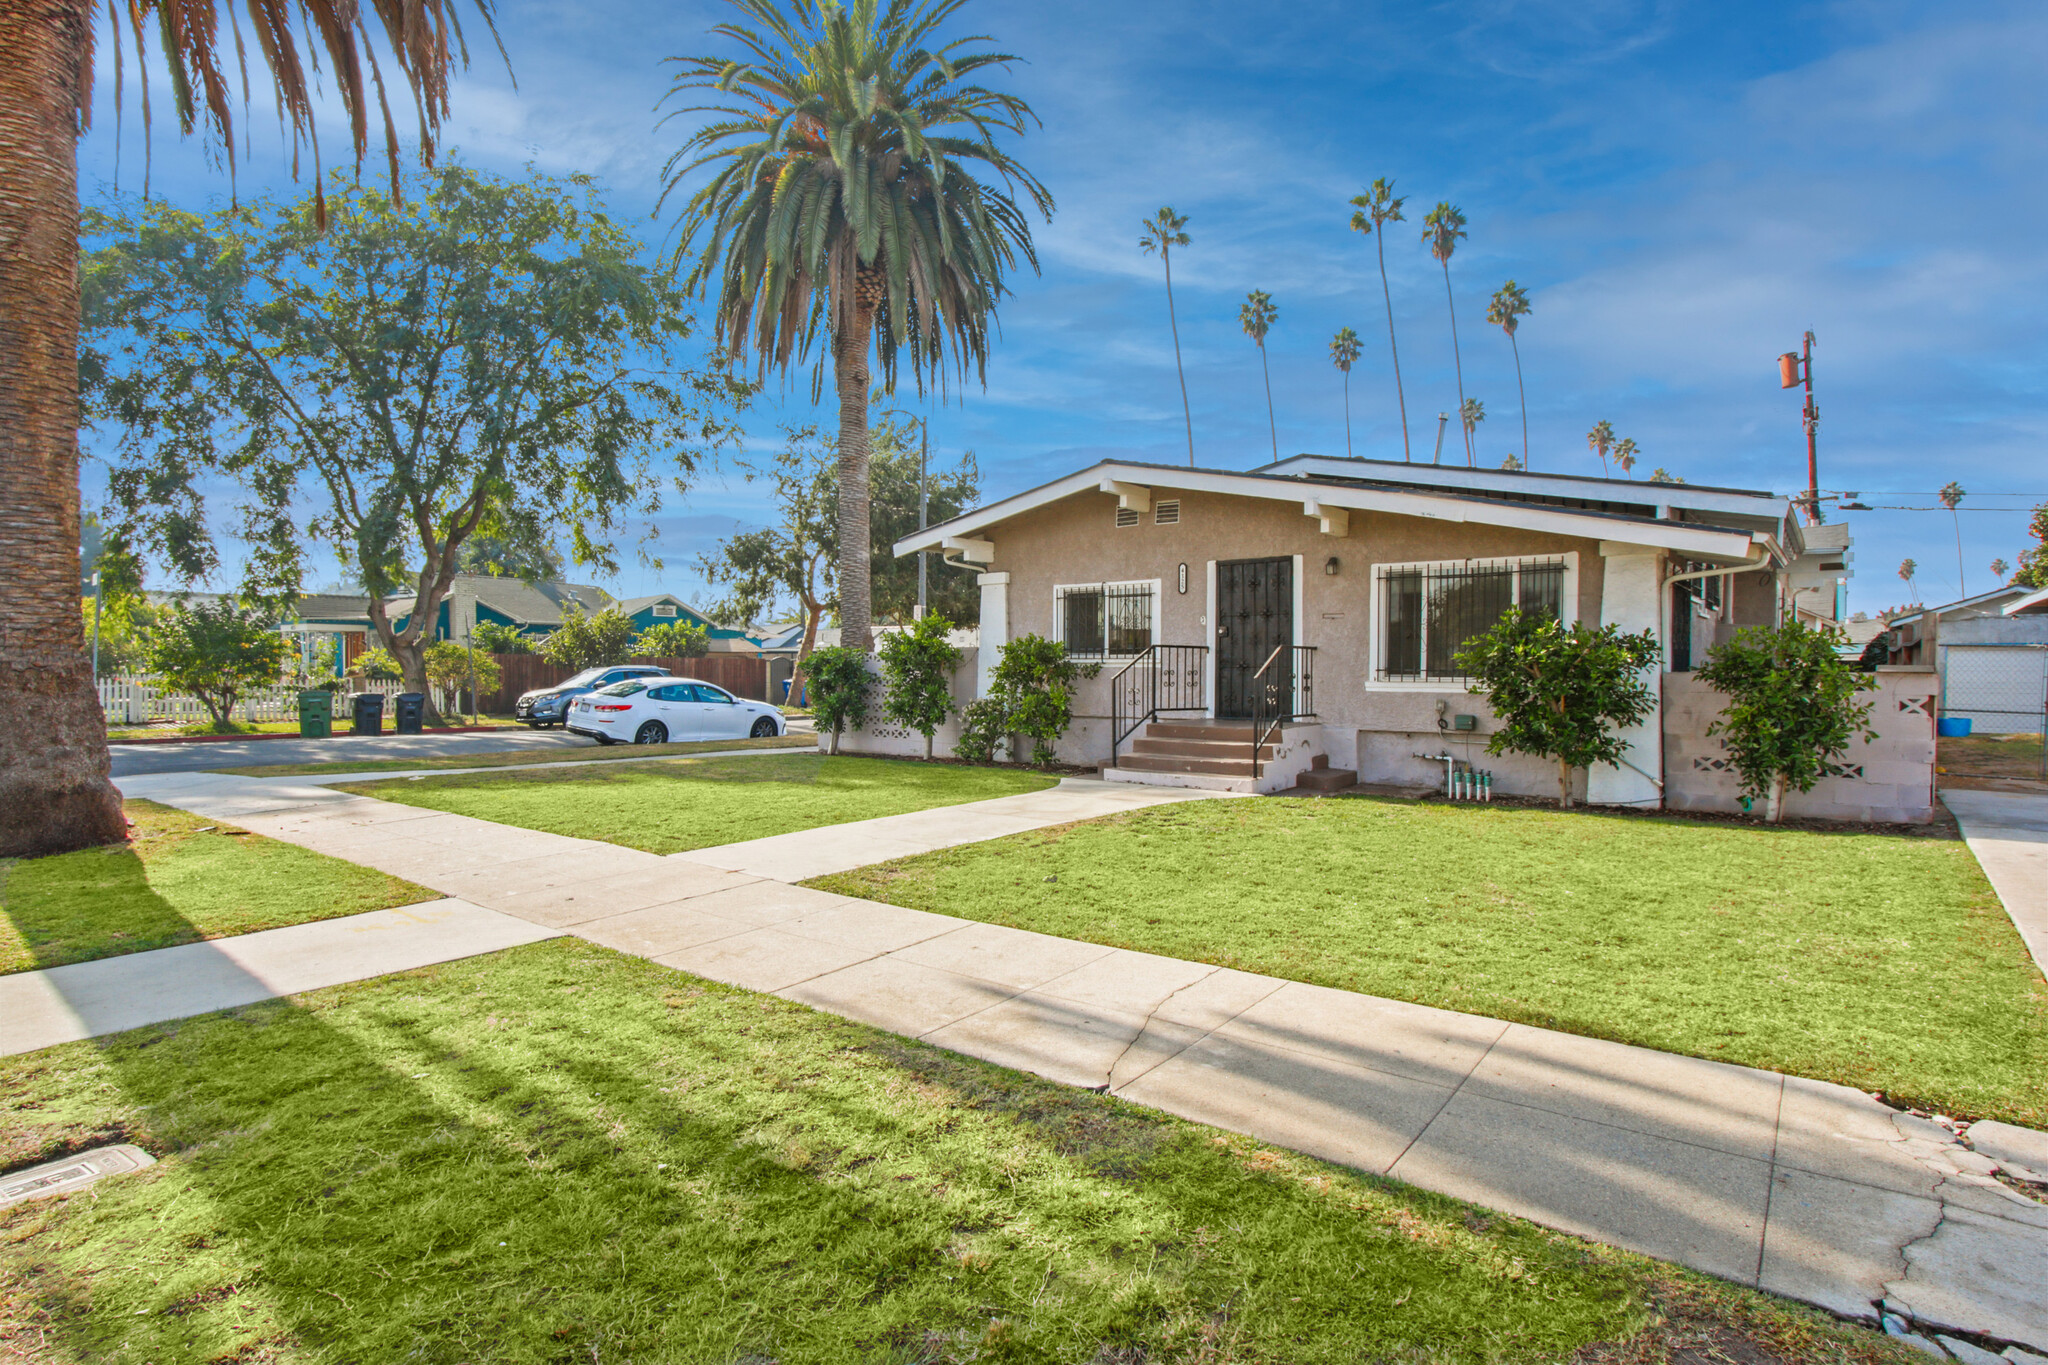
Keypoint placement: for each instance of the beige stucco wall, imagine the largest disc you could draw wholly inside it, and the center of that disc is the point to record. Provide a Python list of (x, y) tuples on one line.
[(1890, 778), (1077, 541)]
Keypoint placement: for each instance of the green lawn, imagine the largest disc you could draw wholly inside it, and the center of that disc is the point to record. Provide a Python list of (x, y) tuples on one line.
[(559, 1154), (701, 802), (521, 757), (179, 879), (1877, 961)]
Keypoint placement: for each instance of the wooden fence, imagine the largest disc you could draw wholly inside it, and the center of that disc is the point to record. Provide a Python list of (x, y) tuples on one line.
[(743, 675)]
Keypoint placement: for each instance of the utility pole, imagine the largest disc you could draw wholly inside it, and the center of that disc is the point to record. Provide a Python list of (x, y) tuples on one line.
[(1793, 368), (923, 506)]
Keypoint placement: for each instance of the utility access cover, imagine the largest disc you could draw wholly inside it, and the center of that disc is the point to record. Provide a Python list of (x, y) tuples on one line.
[(71, 1173)]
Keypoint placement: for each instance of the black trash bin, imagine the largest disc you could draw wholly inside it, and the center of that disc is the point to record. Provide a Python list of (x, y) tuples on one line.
[(411, 708), (367, 715)]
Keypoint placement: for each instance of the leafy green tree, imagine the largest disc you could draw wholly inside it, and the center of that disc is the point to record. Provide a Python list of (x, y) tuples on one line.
[(495, 637), (917, 669), (1662, 475), (1033, 684), (1163, 232), (453, 669), (1372, 211), (124, 624), (892, 480), (490, 359), (1442, 226), (589, 639), (2033, 569), (1257, 316), (1792, 708), (672, 640), (791, 565), (216, 651), (842, 217), (1561, 692), (377, 663), (1507, 308), (530, 556), (841, 690), (1344, 354)]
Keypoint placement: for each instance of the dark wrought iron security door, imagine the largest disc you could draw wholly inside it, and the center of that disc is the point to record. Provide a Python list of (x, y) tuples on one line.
[(1254, 614)]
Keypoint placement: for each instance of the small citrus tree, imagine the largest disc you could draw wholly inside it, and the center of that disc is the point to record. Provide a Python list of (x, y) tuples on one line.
[(216, 651), (589, 639), (917, 665), (1033, 680), (672, 640), (841, 689), (451, 668), (1792, 708), (1561, 692)]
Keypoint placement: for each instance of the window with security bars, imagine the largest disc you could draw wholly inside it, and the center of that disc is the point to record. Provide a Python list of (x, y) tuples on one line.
[(1429, 612), (1106, 620)]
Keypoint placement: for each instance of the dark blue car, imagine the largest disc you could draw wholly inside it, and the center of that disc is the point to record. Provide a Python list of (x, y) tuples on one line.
[(550, 705)]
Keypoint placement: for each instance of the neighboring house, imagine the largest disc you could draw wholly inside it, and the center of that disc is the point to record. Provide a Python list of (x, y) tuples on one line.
[(1327, 597), (533, 609), (662, 608), (1991, 651)]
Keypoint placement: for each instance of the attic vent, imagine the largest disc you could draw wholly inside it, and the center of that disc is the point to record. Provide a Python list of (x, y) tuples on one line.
[(664, 611), (1127, 516), (1166, 513)]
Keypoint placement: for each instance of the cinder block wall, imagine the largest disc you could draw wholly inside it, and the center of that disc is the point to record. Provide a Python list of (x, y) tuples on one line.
[(1890, 778), (883, 736)]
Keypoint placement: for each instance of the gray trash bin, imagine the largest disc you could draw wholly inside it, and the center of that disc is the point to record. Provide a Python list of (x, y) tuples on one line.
[(411, 709), (366, 713)]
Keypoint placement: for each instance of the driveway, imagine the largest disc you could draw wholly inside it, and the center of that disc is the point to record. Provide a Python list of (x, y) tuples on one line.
[(132, 760)]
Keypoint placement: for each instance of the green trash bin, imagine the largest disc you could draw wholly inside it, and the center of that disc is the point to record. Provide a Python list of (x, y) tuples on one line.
[(316, 714)]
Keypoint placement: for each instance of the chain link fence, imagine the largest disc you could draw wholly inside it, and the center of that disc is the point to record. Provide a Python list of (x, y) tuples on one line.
[(2002, 690)]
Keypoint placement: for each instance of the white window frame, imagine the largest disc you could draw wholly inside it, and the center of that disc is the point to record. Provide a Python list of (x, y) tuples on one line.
[(1059, 617), (1376, 613), (665, 611)]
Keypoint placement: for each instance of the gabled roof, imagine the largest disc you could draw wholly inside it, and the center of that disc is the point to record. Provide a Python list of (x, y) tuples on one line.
[(1988, 600), (634, 605), (528, 604), (1695, 538), (2032, 602)]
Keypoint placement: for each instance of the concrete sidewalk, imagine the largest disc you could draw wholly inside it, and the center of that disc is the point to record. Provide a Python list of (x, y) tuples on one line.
[(2008, 831), (86, 999), (1807, 1189)]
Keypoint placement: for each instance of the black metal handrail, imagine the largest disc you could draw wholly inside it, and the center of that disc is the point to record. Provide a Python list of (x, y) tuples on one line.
[(1281, 693), (1163, 678)]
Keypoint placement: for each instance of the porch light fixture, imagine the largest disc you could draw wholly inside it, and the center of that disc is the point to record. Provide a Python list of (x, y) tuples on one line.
[(1332, 565)]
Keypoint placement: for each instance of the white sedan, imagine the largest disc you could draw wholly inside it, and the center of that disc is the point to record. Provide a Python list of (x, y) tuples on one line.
[(661, 710)]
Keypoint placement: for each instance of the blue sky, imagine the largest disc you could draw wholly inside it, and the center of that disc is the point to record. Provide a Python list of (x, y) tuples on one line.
[(1683, 189)]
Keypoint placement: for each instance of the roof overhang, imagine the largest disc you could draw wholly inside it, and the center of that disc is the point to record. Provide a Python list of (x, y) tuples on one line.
[(2033, 601), (1128, 481), (1740, 502)]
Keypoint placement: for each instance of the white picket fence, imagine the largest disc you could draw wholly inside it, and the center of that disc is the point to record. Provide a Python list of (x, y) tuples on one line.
[(138, 701)]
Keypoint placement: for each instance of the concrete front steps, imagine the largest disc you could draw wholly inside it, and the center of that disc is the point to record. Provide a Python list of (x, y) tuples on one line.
[(1216, 755)]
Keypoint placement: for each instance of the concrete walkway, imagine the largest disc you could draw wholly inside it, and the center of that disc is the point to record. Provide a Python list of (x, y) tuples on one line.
[(1806, 1189), (86, 999), (2008, 831)]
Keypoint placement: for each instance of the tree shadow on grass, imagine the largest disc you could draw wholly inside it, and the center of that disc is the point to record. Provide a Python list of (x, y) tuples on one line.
[(556, 1153)]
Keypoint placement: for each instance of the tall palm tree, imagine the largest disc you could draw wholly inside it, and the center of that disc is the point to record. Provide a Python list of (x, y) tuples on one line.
[(1600, 440), (1951, 496), (1908, 571), (1999, 569), (1344, 354), (1256, 317), (54, 788), (1441, 229), (1510, 304), (1163, 232), (1625, 455), (1471, 413), (1376, 208), (842, 209)]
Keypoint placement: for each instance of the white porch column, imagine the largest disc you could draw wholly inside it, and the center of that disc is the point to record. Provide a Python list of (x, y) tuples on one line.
[(995, 627), (1632, 597)]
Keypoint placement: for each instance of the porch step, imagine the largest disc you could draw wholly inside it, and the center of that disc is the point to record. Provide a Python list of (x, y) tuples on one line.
[(1199, 748), (1326, 779), (1219, 730), (1169, 763)]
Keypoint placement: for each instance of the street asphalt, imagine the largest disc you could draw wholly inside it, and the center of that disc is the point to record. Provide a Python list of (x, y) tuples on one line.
[(131, 760)]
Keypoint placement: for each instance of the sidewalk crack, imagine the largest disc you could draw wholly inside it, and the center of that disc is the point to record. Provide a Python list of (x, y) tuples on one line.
[(1144, 1027)]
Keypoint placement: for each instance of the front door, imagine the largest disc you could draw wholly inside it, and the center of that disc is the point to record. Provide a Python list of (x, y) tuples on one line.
[(1254, 616)]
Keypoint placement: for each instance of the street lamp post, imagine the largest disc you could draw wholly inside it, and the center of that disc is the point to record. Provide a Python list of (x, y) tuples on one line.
[(1795, 367)]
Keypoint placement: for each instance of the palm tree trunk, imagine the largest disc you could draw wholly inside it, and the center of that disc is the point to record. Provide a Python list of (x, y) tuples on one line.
[(54, 791), (1271, 422), (850, 371), (1174, 323), (1522, 394), (1962, 584), (1347, 414), (1398, 394), (1458, 360)]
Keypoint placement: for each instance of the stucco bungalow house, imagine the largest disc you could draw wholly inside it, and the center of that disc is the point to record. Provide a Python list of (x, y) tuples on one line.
[(1318, 603)]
